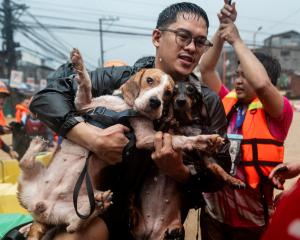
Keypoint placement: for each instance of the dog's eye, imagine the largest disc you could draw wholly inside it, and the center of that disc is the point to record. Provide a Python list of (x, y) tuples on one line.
[(190, 89), (150, 80)]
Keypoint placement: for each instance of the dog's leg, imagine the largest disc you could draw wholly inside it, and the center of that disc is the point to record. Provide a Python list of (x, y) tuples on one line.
[(207, 143), (84, 93), (37, 231), (28, 162), (219, 171)]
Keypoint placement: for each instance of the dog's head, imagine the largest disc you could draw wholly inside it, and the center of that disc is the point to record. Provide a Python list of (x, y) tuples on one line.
[(186, 101), (148, 91)]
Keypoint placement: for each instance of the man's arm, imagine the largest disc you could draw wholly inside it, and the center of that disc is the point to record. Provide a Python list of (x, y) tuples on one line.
[(254, 72), (209, 60), (54, 105)]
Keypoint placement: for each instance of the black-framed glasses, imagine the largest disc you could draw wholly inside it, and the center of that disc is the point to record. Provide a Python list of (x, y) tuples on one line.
[(184, 38)]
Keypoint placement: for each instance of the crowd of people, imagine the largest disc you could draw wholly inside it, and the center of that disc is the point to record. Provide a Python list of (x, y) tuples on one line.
[(254, 116)]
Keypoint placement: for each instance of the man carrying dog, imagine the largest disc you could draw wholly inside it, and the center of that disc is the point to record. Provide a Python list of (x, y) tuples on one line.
[(259, 120), (180, 39)]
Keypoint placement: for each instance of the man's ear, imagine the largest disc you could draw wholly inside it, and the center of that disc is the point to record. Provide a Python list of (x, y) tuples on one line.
[(131, 88), (156, 34)]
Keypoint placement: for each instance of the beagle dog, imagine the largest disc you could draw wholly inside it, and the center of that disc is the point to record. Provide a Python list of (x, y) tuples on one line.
[(46, 192)]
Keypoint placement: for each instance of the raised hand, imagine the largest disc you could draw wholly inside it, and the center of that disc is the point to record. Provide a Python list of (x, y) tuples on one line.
[(227, 13)]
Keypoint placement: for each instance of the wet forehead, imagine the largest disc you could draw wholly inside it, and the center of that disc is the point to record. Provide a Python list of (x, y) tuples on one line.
[(191, 22)]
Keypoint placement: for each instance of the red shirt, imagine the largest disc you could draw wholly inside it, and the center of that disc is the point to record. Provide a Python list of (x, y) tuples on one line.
[(285, 223)]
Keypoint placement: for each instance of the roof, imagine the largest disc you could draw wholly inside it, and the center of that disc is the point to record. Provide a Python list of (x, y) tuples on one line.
[(284, 34)]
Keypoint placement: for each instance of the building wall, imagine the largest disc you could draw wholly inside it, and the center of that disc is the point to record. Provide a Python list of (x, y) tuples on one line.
[(295, 86)]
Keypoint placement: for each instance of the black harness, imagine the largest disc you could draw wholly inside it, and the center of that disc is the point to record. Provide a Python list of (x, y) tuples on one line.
[(102, 117)]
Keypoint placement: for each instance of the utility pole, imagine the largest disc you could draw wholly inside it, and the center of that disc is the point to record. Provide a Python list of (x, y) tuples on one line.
[(101, 37), (8, 35), (9, 45), (254, 36)]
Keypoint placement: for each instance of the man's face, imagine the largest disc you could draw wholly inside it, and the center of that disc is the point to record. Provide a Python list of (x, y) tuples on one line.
[(244, 91), (2, 101), (179, 61)]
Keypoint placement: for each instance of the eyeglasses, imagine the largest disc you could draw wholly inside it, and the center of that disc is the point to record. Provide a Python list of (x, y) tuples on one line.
[(184, 38)]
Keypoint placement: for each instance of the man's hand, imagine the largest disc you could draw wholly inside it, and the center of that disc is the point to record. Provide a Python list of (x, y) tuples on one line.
[(227, 13), (13, 154), (282, 172), (5, 130), (107, 143), (229, 32), (169, 161)]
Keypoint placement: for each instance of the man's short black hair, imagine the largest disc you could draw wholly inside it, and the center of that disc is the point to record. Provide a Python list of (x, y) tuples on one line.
[(169, 15), (271, 65)]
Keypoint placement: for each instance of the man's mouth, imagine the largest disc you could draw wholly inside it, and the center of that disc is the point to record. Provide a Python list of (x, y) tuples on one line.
[(239, 89), (186, 59)]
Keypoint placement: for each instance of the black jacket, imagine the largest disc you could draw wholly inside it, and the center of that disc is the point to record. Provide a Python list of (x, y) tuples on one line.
[(54, 105)]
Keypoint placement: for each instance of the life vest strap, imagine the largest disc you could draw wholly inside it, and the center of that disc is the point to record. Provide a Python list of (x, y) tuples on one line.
[(261, 141), (260, 162)]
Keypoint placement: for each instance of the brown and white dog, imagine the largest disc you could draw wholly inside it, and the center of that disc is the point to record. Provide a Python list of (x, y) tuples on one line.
[(157, 210), (47, 192)]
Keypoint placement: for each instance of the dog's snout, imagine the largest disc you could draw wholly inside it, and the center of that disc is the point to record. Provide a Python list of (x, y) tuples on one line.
[(180, 102), (154, 102)]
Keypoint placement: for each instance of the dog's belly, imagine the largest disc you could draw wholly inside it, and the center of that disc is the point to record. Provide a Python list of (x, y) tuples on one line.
[(160, 204), (51, 189)]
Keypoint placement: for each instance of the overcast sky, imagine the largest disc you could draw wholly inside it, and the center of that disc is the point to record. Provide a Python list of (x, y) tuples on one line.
[(140, 15)]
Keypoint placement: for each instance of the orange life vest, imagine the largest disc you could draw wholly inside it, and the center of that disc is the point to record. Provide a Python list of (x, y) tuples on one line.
[(261, 152), (2, 119)]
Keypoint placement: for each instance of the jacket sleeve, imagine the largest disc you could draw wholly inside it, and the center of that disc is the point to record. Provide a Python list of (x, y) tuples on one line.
[(54, 105)]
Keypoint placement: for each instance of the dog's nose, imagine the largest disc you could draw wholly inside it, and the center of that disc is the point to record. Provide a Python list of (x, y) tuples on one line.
[(154, 102), (180, 102)]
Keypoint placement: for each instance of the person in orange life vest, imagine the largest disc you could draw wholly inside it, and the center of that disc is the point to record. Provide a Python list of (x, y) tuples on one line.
[(4, 129), (285, 222), (22, 109), (258, 121)]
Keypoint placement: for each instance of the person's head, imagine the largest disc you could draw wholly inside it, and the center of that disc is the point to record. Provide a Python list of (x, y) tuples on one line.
[(180, 38), (26, 101), (4, 93), (244, 91), (115, 63)]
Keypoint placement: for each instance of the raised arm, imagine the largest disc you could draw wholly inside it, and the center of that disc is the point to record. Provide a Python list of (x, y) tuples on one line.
[(254, 72), (54, 105), (210, 59)]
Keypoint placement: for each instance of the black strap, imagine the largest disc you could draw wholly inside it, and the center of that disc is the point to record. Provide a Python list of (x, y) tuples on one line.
[(89, 187), (260, 163), (262, 141), (263, 179)]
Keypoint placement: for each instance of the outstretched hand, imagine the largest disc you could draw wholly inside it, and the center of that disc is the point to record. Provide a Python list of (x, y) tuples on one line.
[(282, 172), (228, 13)]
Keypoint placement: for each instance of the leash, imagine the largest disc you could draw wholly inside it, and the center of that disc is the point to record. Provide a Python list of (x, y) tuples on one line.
[(89, 187)]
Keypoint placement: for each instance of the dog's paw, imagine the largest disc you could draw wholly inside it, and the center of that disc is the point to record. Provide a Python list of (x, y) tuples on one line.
[(103, 200), (77, 60), (236, 183)]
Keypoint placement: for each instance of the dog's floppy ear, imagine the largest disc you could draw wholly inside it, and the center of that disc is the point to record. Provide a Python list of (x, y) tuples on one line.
[(131, 88)]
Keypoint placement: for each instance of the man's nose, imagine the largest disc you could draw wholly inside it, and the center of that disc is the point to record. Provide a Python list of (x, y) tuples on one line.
[(191, 46), (238, 80)]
